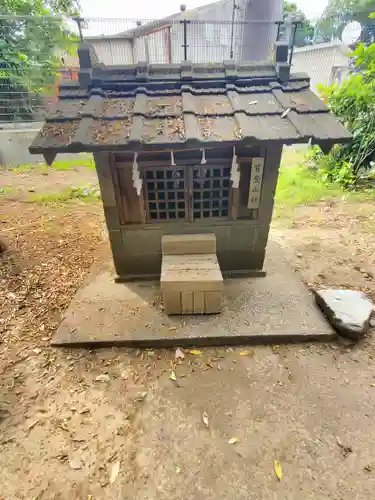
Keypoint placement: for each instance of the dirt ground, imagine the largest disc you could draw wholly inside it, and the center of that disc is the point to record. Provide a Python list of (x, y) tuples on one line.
[(44, 181), (112, 424)]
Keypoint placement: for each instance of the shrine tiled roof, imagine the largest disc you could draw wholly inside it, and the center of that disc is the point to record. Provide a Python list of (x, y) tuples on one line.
[(145, 107)]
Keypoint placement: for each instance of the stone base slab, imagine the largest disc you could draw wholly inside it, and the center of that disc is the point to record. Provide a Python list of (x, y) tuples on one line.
[(275, 309)]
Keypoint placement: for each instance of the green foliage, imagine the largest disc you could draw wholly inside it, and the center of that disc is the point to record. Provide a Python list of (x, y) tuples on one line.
[(31, 37), (354, 103), (313, 157), (339, 13), (365, 60)]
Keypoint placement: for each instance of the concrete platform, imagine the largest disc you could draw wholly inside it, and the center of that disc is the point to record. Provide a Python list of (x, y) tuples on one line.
[(275, 309)]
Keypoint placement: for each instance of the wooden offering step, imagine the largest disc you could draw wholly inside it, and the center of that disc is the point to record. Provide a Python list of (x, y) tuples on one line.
[(191, 283)]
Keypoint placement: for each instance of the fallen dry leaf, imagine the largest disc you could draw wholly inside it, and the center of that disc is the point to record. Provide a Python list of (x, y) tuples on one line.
[(278, 469), (179, 354), (195, 352), (205, 419), (172, 375), (114, 472), (177, 469), (247, 353), (103, 378), (275, 348), (345, 449), (338, 441), (233, 440)]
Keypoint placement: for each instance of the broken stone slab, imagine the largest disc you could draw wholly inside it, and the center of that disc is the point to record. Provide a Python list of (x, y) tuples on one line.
[(348, 311)]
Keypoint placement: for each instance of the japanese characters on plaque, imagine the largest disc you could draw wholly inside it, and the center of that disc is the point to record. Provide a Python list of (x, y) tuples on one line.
[(256, 178)]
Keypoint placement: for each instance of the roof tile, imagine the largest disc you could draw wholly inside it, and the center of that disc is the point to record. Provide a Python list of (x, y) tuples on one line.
[(186, 105)]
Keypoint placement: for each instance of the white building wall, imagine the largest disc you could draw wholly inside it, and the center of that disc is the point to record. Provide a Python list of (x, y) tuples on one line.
[(113, 51), (209, 34), (321, 63), (176, 42), (158, 45), (139, 49), (208, 41)]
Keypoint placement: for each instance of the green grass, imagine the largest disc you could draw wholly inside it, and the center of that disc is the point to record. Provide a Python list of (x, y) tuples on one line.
[(82, 160), (83, 194), (300, 185)]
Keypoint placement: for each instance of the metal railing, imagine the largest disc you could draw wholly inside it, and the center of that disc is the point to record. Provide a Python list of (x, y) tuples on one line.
[(173, 40)]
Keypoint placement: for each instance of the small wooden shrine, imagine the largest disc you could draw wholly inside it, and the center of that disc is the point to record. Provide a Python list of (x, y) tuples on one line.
[(187, 149)]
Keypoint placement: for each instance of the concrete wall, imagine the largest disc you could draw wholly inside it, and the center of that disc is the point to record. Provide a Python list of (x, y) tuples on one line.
[(240, 245), (15, 140), (320, 62)]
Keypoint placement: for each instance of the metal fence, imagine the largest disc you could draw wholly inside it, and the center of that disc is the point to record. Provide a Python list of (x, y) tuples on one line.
[(31, 64), (43, 51)]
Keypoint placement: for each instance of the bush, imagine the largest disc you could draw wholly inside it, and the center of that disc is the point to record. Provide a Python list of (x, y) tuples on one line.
[(354, 103)]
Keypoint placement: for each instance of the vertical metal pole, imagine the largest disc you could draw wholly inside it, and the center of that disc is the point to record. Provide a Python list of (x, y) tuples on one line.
[(185, 45), (278, 30), (295, 25), (232, 33)]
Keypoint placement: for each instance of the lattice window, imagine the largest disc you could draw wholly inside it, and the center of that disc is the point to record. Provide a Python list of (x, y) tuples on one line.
[(188, 193), (210, 191), (165, 193)]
